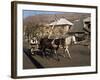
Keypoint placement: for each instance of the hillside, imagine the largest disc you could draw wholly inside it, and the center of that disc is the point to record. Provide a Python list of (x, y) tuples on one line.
[(35, 25), (48, 18)]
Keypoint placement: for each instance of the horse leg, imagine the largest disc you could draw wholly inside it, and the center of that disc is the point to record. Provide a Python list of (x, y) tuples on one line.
[(55, 52), (67, 51), (32, 51), (43, 52)]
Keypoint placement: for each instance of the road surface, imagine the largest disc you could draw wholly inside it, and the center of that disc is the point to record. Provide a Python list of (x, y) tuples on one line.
[(80, 57)]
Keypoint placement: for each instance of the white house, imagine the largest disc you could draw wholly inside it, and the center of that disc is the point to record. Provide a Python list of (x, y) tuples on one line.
[(60, 27)]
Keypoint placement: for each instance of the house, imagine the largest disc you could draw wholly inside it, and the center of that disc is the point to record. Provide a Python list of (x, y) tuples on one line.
[(60, 27), (78, 26), (78, 29), (87, 24), (62, 22)]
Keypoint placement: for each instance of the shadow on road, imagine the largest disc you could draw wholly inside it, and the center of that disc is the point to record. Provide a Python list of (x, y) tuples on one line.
[(34, 61)]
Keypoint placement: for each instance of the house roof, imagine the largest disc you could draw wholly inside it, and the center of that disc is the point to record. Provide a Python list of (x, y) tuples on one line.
[(88, 19), (61, 21), (78, 26)]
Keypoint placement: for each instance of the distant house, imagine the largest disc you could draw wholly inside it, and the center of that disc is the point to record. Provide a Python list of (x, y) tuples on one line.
[(81, 29), (81, 25), (87, 24)]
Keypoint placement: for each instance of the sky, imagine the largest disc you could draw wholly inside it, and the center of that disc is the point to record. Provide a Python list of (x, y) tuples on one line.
[(27, 13)]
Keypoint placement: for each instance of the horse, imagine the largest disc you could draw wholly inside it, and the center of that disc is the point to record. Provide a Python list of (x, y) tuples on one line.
[(68, 41), (64, 43), (49, 46), (55, 44)]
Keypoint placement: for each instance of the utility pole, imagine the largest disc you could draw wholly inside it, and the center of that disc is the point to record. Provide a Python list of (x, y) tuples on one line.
[(50, 32)]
